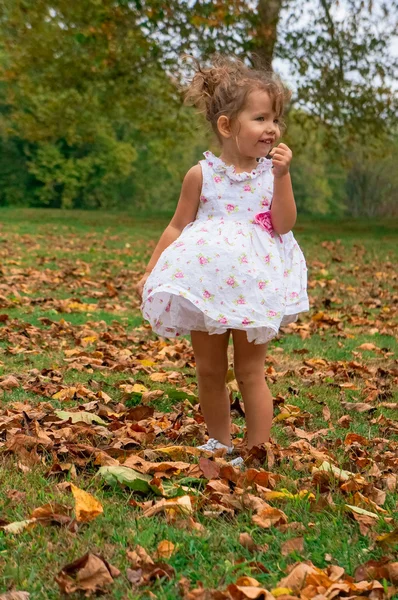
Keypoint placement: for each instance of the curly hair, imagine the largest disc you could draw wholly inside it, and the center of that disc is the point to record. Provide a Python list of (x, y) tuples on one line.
[(223, 88)]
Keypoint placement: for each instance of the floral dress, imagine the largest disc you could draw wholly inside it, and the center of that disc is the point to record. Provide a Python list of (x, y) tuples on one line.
[(228, 269)]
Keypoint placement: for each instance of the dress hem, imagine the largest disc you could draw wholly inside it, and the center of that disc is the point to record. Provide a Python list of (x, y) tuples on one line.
[(259, 334)]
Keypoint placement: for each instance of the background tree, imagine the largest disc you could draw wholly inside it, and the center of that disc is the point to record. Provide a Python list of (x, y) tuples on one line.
[(91, 112)]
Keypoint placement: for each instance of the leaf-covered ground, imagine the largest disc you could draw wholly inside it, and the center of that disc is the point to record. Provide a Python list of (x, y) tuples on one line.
[(101, 486)]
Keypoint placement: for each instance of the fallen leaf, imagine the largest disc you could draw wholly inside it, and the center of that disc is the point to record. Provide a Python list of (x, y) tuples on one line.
[(172, 506), (87, 507), (15, 596), (165, 549), (293, 545), (18, 526), (9, 383), (209, 468), (117, 474), (79, 417), (268, 517), (388, 539), (360, 407), (90, 573)]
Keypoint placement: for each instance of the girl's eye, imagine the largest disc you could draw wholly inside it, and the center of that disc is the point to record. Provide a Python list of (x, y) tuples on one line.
[(276, 121), (260, 119)]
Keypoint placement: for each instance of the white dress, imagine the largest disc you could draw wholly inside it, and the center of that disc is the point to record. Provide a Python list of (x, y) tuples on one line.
[(228, 269)]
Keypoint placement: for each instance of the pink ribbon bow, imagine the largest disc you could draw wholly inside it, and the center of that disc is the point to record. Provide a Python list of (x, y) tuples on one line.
[(264, 220)]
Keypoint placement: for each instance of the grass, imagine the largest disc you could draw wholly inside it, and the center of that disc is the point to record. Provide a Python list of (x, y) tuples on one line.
[(53, 263)]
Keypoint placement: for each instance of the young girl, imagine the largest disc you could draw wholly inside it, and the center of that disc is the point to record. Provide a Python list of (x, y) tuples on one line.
[(228, 264)]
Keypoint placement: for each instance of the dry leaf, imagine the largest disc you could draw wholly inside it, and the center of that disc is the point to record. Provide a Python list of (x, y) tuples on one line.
[(164, 550), (293, 545), (90, 573), (171, 506), (15, 596), (86, 506), (18, 526), (268, 517)]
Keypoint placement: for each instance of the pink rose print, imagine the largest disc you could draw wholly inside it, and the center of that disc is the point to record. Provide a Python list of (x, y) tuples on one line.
[(207, 295), (203, 199), (262, 284), (264, 202), (265, 222), (231, 281), (165, 266), (179, 244), (293, 295), (222, 319), (267, 258), (231, 208), (247, 188), (240, 300), (243, 259), (167, 309), (201, 242), (178, 275), (217, 179), (286, 273), (246, 321), (271, 313), (203, 260)]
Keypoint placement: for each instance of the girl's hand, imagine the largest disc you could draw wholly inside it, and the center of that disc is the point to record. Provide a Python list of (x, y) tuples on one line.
[(281, 158), (139, 288)]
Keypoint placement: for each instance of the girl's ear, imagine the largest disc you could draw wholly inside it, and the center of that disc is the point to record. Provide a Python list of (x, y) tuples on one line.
[(224, 126)]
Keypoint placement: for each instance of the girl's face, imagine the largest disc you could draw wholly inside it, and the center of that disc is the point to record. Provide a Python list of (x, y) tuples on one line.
[(256, 129)]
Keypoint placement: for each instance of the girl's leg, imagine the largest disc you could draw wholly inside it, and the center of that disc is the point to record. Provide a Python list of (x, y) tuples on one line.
[(211, 369), (249, 361)]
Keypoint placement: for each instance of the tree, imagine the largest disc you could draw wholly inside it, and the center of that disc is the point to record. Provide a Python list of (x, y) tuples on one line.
[(339, 51)]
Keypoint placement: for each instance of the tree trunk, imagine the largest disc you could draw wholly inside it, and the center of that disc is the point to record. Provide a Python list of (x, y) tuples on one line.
[(266, 32)]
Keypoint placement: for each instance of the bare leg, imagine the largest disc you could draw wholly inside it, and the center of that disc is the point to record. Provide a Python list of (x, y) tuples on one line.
[(249, 361), (211, 369)]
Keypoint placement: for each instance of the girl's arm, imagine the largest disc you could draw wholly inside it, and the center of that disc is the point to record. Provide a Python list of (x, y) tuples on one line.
[(283, 207), (185, 213)]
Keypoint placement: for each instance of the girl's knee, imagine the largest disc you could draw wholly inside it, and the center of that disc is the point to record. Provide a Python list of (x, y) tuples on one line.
[(248, 375), (212, 373)]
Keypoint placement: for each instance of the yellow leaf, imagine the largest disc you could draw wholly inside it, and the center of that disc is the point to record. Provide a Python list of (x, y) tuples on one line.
[(86, 506), (137, 388), (388, 539), (281, 591), (146, 363)]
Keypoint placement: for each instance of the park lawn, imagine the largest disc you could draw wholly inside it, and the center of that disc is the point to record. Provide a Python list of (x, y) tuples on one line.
[(72, 339)]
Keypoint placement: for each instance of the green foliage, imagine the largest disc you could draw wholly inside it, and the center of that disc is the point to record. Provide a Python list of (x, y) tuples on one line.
[(91, 115)]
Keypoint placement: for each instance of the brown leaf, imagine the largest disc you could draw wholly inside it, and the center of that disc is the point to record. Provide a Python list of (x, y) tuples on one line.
[(360, 407), (293, 545), (86, 506), (13, 595), (209, 468), (247, 542), (53, 513), (139, 557), (173, 507), (268, 517), (326, 413), (9, 383), (16, 496), (90, 573)]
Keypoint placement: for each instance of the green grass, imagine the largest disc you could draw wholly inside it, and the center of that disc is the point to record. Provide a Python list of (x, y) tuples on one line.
[(50, 260)]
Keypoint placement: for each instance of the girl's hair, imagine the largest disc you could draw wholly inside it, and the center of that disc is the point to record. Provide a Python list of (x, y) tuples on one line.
[(222, 88)]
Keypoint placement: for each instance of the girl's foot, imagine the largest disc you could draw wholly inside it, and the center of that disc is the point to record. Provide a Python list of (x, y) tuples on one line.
[(212, 445)]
